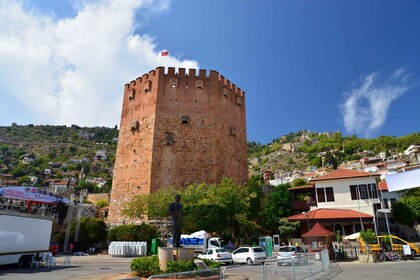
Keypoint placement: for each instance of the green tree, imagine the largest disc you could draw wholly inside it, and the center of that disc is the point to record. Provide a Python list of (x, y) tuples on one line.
[(142, 232), (93, 232), (286, 228), (208, 217), (407, 210), (277, 205)]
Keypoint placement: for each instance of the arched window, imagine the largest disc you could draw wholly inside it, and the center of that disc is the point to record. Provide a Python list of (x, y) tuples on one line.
[(338, 227)]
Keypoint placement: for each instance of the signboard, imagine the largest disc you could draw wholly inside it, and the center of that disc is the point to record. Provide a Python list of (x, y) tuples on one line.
[(406, 249), (30, 194), (403, 181)]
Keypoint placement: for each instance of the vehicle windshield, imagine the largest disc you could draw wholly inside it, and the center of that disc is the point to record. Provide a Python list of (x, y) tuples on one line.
[(258, 250), (286, 249), (221, 250)]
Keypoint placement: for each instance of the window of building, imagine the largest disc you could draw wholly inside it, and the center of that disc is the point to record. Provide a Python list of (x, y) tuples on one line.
[(373, 192), (353, 192), (148, 86), (174, 82), (232, 131), (199, 84), (135, 125), (392, 200), (330, 193), (386, 205), (131, 94), (363, 192), (169, 138), (320, 194), (238, 101), (185, 119)]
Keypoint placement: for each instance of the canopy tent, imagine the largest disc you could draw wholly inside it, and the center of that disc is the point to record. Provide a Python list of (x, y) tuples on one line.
[(354, 236), (403, 181)]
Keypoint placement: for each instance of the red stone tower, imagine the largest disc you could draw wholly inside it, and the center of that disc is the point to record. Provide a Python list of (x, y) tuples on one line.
[(178, 128)]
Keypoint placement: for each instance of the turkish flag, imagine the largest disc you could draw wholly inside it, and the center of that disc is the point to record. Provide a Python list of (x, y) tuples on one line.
[(165, 53)]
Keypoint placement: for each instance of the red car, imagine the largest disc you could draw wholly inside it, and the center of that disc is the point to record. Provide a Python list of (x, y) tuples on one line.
[(54, 247)]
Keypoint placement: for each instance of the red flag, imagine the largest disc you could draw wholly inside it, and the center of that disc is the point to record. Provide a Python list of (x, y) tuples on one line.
[(165, 53)]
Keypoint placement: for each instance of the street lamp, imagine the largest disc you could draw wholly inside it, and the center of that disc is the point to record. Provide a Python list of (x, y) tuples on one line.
[(307, 219)]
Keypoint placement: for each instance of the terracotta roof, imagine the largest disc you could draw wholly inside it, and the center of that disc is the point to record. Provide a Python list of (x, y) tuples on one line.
[(344, 173), (328, 213), (301, 187), (382, 186), (318, 230)]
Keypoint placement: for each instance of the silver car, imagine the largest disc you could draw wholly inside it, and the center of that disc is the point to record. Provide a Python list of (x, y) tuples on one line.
[(289, 254), (249, 255)]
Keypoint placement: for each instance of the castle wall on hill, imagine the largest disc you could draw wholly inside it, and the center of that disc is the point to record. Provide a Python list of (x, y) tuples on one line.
[(178, 128)]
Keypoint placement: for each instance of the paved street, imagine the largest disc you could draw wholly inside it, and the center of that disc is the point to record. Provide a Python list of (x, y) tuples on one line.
[(104, 267)]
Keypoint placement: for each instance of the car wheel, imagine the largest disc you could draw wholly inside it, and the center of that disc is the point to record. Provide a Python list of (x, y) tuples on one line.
[(248, 261)]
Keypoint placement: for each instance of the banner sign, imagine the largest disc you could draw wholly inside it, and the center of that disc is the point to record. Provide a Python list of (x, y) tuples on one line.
[(31, 194), (403, 181)]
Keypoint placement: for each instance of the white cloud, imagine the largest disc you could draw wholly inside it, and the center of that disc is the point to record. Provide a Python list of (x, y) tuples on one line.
[(73, 70), (365, 107)]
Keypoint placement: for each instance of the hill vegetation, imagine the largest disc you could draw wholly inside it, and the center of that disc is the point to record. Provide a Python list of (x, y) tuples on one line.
[(304, 150), (27, 151)]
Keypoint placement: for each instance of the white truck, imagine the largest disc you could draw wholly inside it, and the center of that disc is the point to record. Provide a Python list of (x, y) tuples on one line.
[(23, 237), (199, 241)]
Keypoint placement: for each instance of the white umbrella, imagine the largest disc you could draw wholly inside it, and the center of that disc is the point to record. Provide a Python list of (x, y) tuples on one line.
[(353, 236)]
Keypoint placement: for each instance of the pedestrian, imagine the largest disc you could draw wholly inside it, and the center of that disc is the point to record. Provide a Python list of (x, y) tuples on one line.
[(71, 248)]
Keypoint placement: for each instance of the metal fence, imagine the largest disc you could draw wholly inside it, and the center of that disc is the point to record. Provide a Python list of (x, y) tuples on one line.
[(304, 266)]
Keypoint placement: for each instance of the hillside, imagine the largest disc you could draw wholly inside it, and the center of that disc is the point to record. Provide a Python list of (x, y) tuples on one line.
[(30, 150), (305, 150)]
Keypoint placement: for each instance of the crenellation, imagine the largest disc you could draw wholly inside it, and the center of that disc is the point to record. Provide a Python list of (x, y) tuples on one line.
[(133, 83), (191, 72), (171, 72), (181, 72), (139, 80), (202, 73), (214, 74), (127, 86), (153, 72)]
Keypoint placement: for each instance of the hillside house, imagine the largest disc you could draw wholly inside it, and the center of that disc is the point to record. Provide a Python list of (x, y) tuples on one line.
[(344, 200)]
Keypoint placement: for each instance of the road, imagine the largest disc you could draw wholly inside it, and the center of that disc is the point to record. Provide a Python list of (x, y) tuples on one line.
[(104, 267)]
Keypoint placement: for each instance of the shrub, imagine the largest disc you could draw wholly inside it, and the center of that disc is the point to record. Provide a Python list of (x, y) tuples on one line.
[(211, 264), (146, 266), (141, 232), (180, 266), (368, 236)]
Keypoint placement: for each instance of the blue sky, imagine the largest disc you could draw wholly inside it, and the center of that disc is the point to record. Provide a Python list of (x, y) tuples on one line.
[(349, 66)]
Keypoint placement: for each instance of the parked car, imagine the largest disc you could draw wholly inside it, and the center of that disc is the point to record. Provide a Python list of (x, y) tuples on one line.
[(54, 247), (216, 254), (289, 254), (249, 255)]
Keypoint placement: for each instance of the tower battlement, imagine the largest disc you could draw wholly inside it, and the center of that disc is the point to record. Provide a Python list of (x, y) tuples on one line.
[(180, 73)]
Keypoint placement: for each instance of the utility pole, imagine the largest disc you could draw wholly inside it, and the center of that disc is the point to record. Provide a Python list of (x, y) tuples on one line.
[(68, 224)]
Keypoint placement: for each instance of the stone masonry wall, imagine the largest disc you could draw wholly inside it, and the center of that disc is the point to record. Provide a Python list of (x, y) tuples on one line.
[(178, 128)]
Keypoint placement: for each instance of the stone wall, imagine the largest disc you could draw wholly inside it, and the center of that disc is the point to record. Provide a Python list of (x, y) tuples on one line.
[(178, 128)]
